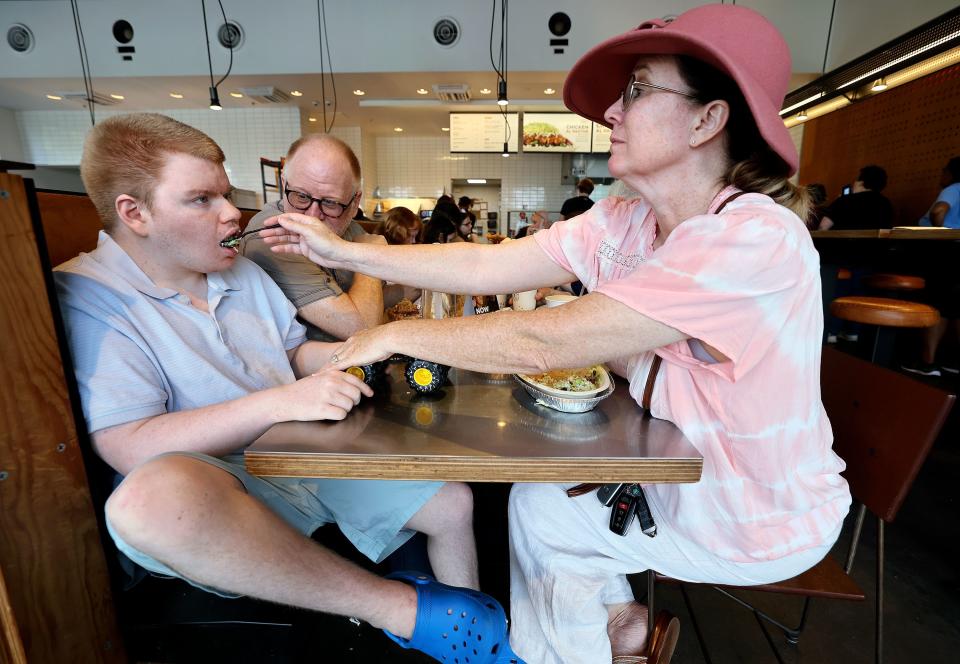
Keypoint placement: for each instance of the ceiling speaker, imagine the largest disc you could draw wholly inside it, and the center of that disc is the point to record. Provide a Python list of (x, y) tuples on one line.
[(20, 39), (446, 32), (230, 35)]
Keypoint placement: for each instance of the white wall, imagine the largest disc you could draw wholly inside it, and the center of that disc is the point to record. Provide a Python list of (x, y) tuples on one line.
[(10, 147), (56, 137)]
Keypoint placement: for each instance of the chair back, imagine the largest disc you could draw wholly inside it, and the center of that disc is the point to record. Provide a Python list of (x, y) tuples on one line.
[(884, 424), (70, 223)]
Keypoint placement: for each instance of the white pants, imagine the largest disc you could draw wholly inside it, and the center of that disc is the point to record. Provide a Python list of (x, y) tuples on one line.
[(566, 567)]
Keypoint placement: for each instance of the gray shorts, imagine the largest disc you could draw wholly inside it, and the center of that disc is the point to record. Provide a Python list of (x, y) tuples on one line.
[(370, 513)]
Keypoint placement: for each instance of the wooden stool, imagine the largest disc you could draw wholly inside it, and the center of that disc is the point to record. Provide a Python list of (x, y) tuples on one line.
[(894, 282), (886, 314)]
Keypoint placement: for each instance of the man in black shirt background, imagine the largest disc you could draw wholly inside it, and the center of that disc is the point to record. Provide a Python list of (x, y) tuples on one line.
[(864, 208)]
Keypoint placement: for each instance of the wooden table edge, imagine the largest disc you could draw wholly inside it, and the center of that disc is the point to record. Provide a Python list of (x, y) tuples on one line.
[(475, 469)]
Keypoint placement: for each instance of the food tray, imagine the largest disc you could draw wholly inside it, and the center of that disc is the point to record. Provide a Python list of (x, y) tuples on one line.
[(566, 404), (567, 394)]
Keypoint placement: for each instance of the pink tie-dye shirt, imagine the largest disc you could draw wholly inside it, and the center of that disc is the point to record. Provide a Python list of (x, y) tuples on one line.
[(746, 282)]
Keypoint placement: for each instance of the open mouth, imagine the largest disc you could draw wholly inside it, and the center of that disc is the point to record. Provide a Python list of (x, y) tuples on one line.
[(232, 241)]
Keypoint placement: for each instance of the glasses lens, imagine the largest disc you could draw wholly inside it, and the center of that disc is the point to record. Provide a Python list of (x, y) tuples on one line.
[(298, 199), (629, 93), (331, 208)]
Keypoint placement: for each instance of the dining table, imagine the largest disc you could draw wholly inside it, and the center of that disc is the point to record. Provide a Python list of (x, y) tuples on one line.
[(479, 427)]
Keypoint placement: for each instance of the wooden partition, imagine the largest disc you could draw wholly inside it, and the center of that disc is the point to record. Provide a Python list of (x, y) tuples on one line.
[(910, 130), (59, 604)]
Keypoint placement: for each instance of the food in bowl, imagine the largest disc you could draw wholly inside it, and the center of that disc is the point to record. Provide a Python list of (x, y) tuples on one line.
[(587, 381)]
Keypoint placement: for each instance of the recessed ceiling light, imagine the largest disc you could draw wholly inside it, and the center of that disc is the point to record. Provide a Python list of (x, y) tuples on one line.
[(485, 91), (236, 95), (398, 128), (421, 91), (359, 93), (549, 91), (312, 119), (176, 95), (444, 128), (117, 97), (54, 97), (296, 93)]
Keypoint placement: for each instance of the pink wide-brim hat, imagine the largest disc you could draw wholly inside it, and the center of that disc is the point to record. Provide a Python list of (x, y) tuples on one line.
[(736, 40)]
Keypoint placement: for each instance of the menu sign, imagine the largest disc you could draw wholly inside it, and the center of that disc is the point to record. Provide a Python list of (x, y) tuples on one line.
[(601, 138), (483, 132), (555, 132)]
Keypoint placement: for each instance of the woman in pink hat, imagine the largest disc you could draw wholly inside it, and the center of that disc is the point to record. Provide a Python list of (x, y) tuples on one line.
[(705, 288)]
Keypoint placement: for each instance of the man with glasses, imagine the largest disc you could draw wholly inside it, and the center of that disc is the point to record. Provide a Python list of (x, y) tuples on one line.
[(321, 178)]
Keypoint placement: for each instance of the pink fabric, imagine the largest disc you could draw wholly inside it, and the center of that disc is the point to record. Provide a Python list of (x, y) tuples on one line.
[(745, 281)]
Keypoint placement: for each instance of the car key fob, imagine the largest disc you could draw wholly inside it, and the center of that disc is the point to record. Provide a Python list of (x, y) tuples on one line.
[(623, 512), (607, 493)]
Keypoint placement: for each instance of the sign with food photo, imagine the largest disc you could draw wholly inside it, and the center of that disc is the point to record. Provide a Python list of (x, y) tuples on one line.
[(556, 132)]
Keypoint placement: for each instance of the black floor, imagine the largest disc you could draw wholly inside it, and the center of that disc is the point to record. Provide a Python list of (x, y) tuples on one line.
[(922, 598)]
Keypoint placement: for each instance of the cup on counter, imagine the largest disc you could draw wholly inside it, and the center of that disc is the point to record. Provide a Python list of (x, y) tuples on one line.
[(558, 299), (525, 300)]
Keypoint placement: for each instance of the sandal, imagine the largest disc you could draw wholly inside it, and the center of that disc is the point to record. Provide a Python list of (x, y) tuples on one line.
[(663, 641), (456, 625)]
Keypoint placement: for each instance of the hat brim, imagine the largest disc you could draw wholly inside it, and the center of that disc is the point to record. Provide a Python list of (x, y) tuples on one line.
[(598, 77)]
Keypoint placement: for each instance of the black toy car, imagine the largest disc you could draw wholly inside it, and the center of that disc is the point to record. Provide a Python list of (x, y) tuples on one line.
[(422, 375)]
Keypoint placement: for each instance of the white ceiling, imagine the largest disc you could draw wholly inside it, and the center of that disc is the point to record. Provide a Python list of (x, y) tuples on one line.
[(384, 48)]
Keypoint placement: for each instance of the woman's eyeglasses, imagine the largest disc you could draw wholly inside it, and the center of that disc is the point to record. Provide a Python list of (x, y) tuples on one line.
[(301, 201), (635, 88)]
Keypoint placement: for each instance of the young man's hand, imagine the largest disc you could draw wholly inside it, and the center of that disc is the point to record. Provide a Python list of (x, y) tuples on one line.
[(328, 394)]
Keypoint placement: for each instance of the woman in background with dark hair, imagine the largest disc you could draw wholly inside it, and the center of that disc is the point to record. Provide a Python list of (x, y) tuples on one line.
[(443, 224)]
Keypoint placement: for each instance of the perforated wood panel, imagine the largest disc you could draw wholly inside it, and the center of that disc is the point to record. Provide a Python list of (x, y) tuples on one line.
[(912, 131)]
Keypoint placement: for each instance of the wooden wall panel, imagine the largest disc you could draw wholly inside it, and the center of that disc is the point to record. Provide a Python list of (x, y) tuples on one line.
[(911, 130), (50, 547)]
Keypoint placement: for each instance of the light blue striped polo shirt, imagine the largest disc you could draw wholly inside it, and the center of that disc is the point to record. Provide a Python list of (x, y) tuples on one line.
[(140, 350)]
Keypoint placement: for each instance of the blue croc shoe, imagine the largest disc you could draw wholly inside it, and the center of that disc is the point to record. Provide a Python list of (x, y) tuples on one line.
[(456, 625)]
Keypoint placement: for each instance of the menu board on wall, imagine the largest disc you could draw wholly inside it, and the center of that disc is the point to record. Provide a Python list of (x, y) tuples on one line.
[(601, 138), (482, 132), (555, 132)]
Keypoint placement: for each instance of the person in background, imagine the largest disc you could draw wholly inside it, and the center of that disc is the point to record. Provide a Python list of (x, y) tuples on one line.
[(705, 287), (538, 221), (465, 203), (401, 226), (465, 229), (360, 216), (818, 197), (943, 285), (321, 177), (443, 224), (185, 353), (945, 211), (864, 208), (579, 203)]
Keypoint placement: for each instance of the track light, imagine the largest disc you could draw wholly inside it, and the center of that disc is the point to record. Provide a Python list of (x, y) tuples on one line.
[(506, 150), (215, 99), (502, 93)]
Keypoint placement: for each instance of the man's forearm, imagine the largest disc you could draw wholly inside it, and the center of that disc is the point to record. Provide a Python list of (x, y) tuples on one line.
[(311, 356), (215, 430), (366, 293)]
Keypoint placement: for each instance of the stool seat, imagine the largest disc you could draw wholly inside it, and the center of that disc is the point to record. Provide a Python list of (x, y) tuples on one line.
[(884, 311), (894, 282)]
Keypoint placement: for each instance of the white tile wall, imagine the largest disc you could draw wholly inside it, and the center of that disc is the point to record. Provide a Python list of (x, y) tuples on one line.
[(415, 166), (245, 135)]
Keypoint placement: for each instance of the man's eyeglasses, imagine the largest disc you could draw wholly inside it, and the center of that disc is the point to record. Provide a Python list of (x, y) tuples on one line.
[(635, 88), (301, 201)]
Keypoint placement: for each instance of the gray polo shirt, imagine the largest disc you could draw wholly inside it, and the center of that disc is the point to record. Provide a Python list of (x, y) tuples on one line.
[(140, 350), (300, 279)]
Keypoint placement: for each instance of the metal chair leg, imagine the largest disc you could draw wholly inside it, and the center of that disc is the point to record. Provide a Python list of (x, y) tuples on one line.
[(651, 615), (878, 645)]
